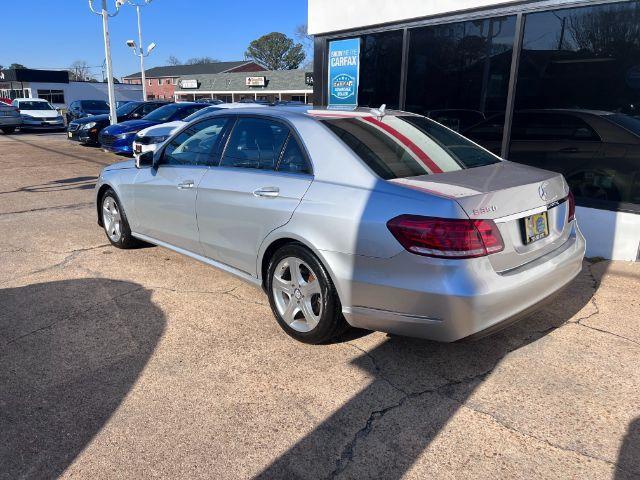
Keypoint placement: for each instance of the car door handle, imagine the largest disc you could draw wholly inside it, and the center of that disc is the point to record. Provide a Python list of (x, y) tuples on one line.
[(186, 184), (568, 150), (269, 192)]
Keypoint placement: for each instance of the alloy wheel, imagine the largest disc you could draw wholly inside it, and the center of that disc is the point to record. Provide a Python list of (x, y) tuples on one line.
[(111, 219), (297, 293)]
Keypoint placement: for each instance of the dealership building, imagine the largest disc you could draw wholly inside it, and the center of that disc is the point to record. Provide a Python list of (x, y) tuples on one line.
[(549, 83), (162, 81), (266, 85), (55, 87)]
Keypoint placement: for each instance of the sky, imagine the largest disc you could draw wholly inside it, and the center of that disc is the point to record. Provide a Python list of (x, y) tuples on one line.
[(55, 33)]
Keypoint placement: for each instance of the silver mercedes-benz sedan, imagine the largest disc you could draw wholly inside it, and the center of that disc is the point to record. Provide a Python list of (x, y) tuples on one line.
[(380, 220)]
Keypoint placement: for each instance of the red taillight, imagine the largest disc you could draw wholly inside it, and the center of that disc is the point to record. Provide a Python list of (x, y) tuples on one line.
[(446, 238), (571, 201)]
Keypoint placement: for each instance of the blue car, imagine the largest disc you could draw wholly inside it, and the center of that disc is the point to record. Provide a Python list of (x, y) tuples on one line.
[(119, 138)]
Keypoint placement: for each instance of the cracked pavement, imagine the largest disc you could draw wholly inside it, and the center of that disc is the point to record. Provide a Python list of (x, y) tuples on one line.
[(143, 363)]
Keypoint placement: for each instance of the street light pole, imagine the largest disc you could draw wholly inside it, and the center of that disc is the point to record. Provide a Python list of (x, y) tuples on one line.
[(107, 52), (137, 50), (144, 81)]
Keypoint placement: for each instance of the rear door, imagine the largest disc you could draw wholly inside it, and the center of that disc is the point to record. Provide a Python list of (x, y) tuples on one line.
[(263, 174), (165, 196)]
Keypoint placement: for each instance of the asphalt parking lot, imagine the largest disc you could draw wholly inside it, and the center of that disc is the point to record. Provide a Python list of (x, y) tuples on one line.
[(143, 363)]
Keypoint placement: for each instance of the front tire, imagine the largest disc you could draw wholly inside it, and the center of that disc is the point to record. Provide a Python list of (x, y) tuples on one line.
[(8, 130), (303, 297), (115, 223)]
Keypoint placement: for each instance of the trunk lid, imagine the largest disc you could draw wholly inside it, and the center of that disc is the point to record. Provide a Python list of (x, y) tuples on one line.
[(505, 192)]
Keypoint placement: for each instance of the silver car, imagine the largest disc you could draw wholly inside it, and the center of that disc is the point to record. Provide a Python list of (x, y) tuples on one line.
[(10, 118), (380, 220)]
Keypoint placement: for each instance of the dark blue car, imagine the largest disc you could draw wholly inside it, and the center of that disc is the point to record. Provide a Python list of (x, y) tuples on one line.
[(119, 138)]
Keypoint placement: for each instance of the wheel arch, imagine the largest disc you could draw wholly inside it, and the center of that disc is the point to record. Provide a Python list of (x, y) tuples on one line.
[(101, 191), (277, 240)]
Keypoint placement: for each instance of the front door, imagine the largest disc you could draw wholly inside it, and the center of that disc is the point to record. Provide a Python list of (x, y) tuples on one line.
[(262, 178), (165, 196)]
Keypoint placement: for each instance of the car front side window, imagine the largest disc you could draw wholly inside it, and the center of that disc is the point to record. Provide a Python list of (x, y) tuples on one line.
[(196, 145)]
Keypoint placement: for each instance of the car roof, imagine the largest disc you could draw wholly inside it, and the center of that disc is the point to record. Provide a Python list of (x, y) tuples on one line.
[(31, 100), (292, 112)]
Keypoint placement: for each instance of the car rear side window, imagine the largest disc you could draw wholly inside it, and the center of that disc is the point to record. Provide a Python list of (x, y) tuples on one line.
[(255, 143), (293, 159), (408, 145), (196, 145)]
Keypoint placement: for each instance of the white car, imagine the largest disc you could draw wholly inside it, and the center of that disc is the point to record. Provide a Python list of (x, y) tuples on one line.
[(150, 139), (38, 114)]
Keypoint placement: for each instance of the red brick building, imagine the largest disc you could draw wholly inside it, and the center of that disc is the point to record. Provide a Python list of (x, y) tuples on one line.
[(162, 81)]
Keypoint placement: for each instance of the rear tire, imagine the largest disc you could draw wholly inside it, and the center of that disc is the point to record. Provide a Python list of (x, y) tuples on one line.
[(303, 297), (115, 223), (8, 130)]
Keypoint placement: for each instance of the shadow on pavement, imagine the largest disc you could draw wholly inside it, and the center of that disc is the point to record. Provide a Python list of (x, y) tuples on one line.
[(629, 456), (426, 384), (70, 351)]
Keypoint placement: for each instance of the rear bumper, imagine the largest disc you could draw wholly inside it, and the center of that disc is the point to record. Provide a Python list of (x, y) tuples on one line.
[(448, 300), (144, 148)]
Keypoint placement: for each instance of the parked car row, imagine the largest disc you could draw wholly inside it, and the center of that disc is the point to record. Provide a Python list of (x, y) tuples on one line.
[(86, 129), (142, 126)]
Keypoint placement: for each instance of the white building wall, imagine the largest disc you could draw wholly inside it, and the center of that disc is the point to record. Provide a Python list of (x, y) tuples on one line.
[(611, 235), (87, 91), (333, 15)]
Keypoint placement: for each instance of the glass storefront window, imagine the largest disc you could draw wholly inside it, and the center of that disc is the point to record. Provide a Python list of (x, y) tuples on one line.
[(577, 103), (458, 74), (380, 69)]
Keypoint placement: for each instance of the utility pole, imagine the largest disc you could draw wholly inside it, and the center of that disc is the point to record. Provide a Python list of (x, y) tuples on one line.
[(137, 49), (104, 13)]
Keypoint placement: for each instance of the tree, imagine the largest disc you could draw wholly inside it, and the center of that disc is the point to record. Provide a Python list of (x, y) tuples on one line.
[(276, 51), (16, 65), (200, 60), (173, 60), (80, 71), (302, 35)]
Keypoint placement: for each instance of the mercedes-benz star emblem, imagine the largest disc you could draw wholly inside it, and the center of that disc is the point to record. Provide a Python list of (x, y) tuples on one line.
[(542, 191)]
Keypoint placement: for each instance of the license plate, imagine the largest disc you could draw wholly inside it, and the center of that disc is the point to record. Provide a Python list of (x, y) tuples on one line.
[(70, 134), (138, 148), (536, 226)]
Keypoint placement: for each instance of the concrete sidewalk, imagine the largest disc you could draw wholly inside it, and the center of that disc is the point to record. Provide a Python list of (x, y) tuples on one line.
[(143, 363)]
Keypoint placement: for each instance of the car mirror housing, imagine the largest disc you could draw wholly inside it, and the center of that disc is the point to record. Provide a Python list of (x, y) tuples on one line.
[(144, 160)]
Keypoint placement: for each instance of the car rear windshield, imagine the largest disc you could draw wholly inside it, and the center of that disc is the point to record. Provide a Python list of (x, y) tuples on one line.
[(35, 106), (95, 105), (408, 145)]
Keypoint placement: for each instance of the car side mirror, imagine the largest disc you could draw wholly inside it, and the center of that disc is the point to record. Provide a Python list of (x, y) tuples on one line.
[(144, 160)]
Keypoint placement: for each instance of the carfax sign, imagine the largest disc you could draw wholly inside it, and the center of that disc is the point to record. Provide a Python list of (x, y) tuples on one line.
[(344, 67)]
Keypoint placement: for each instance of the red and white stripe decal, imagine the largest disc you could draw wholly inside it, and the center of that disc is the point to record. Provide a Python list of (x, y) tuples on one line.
[(430, 164)]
